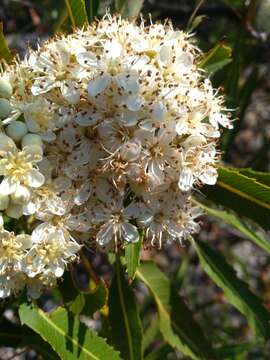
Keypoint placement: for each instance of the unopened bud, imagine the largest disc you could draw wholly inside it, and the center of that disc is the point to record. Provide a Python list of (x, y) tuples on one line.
[(5, 108), (16, 130), (5, 88)]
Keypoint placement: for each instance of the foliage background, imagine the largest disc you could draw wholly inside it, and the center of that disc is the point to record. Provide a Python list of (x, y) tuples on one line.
[(242, 26)]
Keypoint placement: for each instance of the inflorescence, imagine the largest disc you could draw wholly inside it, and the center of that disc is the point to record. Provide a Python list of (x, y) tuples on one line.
[(104, 135)]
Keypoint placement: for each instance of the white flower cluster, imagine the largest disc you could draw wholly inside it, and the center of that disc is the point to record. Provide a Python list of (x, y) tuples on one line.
[(104, 135)]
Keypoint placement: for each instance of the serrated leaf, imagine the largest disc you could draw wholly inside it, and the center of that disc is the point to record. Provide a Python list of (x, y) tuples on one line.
[(235, 290), (176, 322), (243, 194), (124, 317), (5, 53), (235, 222), (132, 257), (66, 334), (77, 12), (216, 58)]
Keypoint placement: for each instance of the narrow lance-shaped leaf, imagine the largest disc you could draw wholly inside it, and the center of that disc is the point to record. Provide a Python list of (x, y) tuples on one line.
[(245, 195), (92, 7), (236, 291), (261, 177), (216, 58), (129, 8), (66, 334), (240, 107), (150, 333), (77, 12), (132, 257), (160, 353), (5, 53), (235, 222), (176, 323), (231, 351), (124, 317)]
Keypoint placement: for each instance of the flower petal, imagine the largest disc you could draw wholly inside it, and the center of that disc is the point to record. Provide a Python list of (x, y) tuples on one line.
[(35, 179), (98, 85)]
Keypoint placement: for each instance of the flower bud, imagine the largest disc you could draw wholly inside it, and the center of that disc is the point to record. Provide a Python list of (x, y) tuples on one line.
[(5, 88), (5, 108), (16, 130), (31, 139), (4, 201)]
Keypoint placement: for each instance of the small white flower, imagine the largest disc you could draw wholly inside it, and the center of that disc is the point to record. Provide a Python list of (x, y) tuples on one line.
[(115, 223), (52, 249), (19, 167)]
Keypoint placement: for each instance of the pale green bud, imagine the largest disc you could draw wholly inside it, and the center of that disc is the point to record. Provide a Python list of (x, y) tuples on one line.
[(16, 130), (5, 88), (5, 108), (31, 139)]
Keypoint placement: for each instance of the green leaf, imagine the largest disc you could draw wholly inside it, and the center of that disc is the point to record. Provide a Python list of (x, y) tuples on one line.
[(235, 222), (176, 323), (95, 301), (245, 195), (77, 305), (230, 351), (67, 288), (92, 7), (196, 22), (244, 100), (216, 58), (150, 333), (132, 257), (77, 12), (236, 291), (5, 53), (159, 354), (66, 334), (129, 8), (261, 177), (118, 5), (124, 317)]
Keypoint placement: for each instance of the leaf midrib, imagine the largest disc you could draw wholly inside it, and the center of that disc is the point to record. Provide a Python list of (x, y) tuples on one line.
[(46, 318), (123, 306), (232, 289), (242, 194), (163, 310)]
